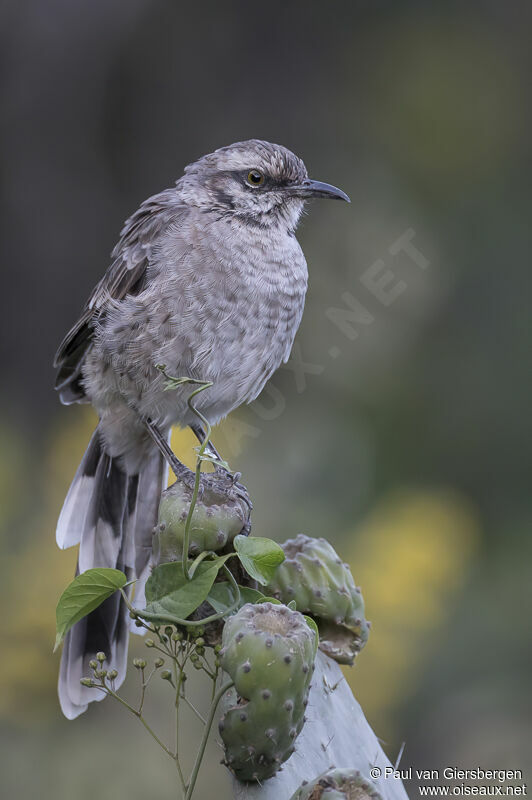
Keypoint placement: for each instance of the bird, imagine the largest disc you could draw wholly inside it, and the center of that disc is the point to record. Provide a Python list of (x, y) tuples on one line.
[(208, 279)]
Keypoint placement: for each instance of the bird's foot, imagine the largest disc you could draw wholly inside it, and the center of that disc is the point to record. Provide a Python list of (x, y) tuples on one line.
[(233, 479), (228, 489), (220, 487), (221, 469)]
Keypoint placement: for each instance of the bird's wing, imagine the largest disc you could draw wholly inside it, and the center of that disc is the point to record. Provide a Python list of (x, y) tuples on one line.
[(125, 275)]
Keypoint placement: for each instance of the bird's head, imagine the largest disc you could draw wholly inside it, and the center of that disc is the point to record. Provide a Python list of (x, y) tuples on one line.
[(261, 183)]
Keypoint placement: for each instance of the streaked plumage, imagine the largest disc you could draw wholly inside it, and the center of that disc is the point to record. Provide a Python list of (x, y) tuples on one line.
[(208, 279)]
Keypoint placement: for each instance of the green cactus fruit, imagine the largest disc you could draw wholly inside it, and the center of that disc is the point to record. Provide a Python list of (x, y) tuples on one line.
[(268, 650), (218, 517), (337, 784), (314, 576)]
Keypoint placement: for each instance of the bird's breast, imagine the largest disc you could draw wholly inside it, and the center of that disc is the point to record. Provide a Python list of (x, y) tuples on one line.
[(224, 309)]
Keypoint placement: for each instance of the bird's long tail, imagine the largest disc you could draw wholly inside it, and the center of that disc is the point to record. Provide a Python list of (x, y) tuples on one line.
[(111, 514)]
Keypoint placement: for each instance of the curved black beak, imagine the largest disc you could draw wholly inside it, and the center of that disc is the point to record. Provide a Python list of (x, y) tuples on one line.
[(310, 188)]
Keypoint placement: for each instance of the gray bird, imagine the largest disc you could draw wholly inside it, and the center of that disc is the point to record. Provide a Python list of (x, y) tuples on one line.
[(209, 279)]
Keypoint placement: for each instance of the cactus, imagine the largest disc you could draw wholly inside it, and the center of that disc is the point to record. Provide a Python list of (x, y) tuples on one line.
[(218, 517), (322, 586), (268, 650), (337, 784)]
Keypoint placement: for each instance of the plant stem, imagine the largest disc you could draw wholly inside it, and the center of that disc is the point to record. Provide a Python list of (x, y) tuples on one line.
[(139, 716), (194, 709), (217, 697), (186, 535), (179, 682), (177, 694), (187, 623), (144, 687), (197, 476), (197, 561)]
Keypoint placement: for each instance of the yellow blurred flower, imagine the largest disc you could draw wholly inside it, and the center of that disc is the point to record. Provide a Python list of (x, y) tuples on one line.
[(32, 578), (32, 582), (411, 557)]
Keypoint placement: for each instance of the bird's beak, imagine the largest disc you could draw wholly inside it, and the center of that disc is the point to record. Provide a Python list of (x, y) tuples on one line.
[(309, 188)]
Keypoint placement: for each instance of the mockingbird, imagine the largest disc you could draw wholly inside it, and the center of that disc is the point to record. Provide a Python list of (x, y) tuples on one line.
[(209, 279)]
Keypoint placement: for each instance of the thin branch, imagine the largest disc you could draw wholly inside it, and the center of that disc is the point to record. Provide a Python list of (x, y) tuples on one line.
[(187, 623), (194, 709), (214, 705), (140, 718)]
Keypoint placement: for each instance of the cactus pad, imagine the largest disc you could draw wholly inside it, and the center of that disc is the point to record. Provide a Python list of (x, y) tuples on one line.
[(337, 784), (218, 517), (268, 650), (322, 586)]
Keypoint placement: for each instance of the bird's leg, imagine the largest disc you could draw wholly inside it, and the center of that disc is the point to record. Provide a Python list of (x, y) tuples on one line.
[(211, 450), (181, 472), (221, 481), (222, 472)]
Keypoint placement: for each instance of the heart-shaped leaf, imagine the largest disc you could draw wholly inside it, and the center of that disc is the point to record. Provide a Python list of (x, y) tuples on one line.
[(221, 596), (86, 592), (260, 557), (169, 592)]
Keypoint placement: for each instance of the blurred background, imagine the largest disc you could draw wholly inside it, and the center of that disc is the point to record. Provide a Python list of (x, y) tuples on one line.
[(401, 428)]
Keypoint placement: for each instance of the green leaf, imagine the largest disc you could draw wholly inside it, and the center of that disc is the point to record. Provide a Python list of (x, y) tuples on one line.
[(273, 600), (310, 622), (221, 596), (260, 557), (86, 592), (169, 592)]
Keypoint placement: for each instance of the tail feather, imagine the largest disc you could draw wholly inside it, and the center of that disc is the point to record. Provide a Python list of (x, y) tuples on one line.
[(102, 534), (106, 629), (112, 514), (78, 506), (141, 523)]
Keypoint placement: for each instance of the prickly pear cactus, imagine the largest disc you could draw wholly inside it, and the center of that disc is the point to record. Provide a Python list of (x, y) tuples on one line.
[(218, 517), (268, 650), (314, 576), (337, 784)]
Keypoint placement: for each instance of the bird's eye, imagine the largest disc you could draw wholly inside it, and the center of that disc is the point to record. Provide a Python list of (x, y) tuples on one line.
[(255, 178)]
